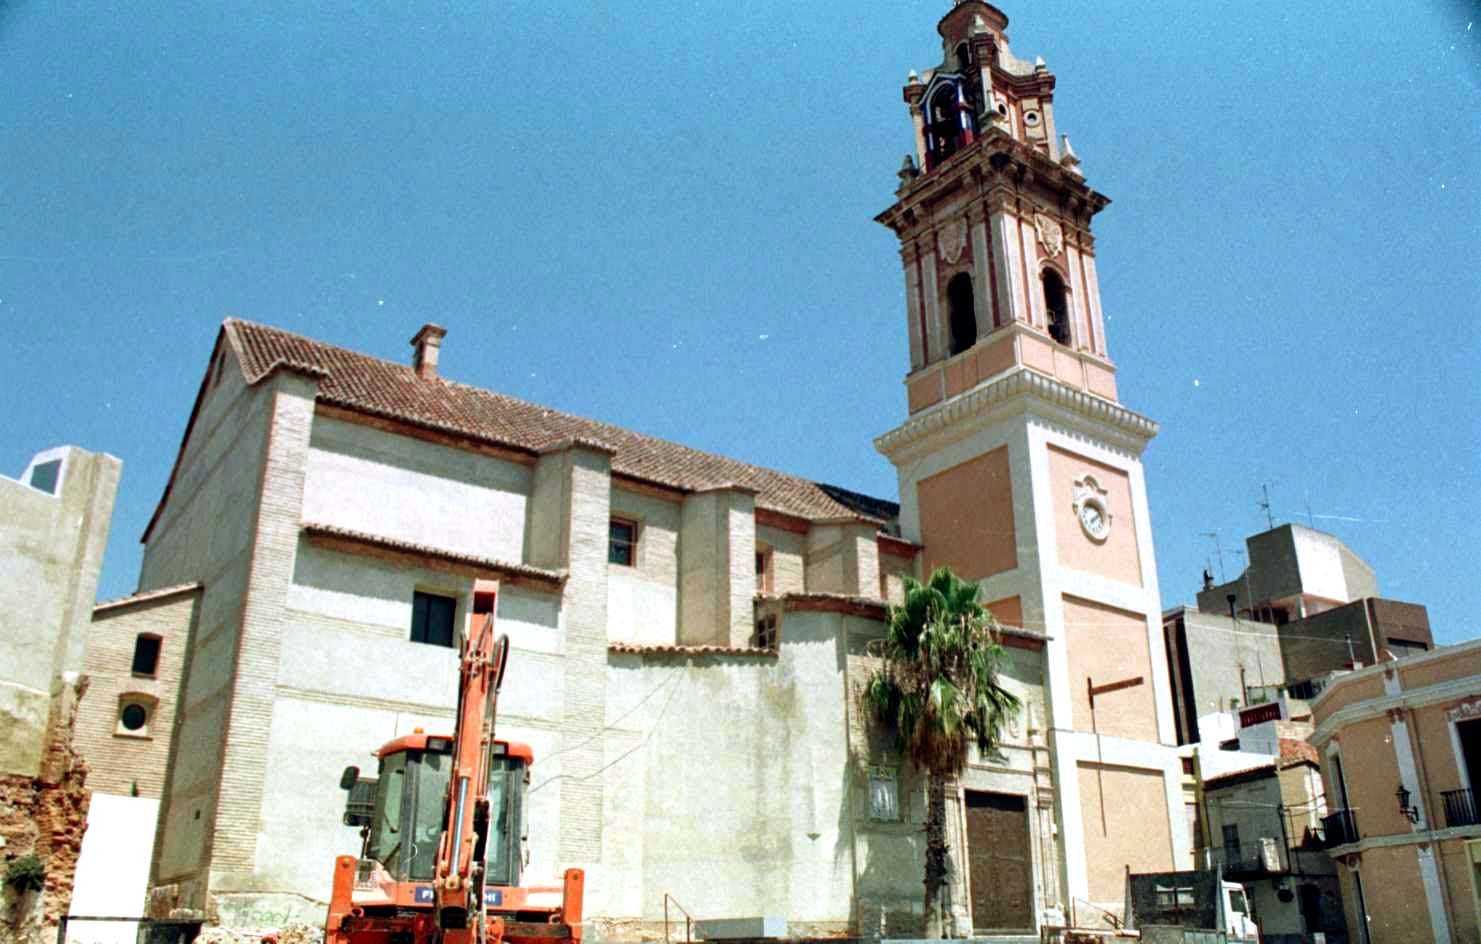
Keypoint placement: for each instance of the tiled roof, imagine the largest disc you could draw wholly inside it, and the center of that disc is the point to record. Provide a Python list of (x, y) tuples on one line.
[(145, 596), (638, 649), (555, 578), (384, 388), (1293, 752), (1242, 772)]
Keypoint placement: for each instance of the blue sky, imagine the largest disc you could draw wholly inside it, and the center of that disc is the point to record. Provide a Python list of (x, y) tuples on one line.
[(659, 214)]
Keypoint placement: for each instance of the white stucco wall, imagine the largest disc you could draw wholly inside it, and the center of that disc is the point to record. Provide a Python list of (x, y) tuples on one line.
[(51, 552), (394, 486), (730, 782), (643, 600), (349, 619)]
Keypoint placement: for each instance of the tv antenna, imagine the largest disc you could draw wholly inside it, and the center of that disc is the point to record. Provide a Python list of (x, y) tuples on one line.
[(1218, 552), (1265, 506)]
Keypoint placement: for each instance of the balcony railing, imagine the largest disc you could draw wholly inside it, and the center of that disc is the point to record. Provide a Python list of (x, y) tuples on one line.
[(1460, 808), (1260, 857), (1340, 828)]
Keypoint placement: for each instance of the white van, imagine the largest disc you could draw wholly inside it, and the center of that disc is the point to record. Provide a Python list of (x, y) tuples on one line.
[(1237, 921)]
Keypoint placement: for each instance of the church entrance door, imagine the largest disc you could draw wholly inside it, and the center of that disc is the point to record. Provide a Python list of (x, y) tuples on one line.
[(999, 865)]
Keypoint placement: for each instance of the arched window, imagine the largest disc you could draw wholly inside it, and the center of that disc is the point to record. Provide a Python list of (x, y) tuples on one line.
[(1057, 305), (963, 318), (963, 58), (945, 117)]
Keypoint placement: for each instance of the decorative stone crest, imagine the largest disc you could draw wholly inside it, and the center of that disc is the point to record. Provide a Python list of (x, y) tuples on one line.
[(1051, 234), (1090, 509), (953, 241), (1464, 711)]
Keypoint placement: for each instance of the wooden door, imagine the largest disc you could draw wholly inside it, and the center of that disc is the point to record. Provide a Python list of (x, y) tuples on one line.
[(999, 862)]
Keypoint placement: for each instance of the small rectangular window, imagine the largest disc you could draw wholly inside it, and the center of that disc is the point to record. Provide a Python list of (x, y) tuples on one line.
[(765, 636), (1231, 839), (146, 655), (763, 570), (622, 542), (44, 476), (432, 618)]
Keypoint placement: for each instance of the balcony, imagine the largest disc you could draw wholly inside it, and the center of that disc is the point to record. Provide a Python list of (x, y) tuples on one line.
[(1246, 859), (1460, 808), (1340, 828)]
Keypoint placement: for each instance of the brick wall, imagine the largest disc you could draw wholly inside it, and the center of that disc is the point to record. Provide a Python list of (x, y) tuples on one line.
[(119, 761)]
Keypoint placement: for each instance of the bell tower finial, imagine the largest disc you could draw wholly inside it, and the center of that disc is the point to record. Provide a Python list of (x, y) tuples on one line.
[(993, 218)]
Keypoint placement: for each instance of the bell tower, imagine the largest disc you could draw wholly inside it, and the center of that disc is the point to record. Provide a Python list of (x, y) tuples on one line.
[(1017, 465)]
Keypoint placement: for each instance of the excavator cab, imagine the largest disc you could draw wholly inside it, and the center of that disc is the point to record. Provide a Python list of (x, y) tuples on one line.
[(402, 820), (442, 831)]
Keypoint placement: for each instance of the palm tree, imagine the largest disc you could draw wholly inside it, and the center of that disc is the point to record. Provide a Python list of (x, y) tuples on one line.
[(937, 688)]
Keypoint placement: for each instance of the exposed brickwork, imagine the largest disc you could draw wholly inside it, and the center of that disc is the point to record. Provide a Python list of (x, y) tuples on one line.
[(46, 816), (589, 490), (119, 762), (244, 763)]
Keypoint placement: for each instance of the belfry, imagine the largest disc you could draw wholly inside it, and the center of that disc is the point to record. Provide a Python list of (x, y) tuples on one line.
[(1017, 465)]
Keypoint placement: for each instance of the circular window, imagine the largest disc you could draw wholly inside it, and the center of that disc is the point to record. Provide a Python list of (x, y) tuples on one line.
[(1002, 109), (133, 717), (1030, 118)]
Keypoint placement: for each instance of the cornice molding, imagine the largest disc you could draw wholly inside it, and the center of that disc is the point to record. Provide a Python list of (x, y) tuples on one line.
[(1467, 688), (1138, 430), (994, 162)]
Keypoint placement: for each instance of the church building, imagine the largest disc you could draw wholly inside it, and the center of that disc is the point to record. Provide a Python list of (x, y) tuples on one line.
[(690, 632)]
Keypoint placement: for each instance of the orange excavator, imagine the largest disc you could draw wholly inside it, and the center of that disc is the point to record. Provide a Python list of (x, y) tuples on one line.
[(441, 831)]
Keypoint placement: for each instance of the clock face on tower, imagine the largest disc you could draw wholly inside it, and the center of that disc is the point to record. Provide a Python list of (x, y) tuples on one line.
[(1090, 509), (1094, 520)]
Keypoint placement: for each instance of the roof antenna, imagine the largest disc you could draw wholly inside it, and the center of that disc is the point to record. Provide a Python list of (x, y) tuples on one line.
[(1218, 550), (1266, 506)]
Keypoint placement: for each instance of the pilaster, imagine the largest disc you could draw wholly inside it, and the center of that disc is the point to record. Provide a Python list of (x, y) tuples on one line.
[(914, 323), (983, 290), (238, 812), (568, 528), (1010, 280), (931, 290), (717, 576)]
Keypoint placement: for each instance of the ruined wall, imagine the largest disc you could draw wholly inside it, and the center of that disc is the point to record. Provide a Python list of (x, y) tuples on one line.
[(44, 816)]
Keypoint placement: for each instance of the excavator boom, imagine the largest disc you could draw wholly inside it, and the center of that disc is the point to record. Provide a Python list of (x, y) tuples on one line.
[(449, 873), (458, 880)]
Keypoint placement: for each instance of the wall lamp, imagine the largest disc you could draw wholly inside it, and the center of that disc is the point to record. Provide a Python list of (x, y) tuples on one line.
[(1411, 812)]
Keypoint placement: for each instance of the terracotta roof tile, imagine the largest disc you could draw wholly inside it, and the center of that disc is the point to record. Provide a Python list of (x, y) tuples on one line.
[(145, 596), (632, 648), (1293, 752), (1236, 774), (555, 578), (384, 388)]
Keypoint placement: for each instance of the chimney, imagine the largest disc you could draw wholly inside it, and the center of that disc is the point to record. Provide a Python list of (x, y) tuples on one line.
[(425, 346)]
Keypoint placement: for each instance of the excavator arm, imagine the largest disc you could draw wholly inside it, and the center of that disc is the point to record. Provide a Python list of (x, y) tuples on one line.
[(458, 880)]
